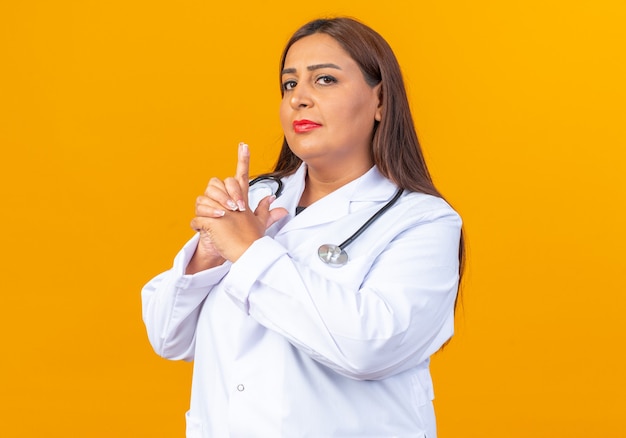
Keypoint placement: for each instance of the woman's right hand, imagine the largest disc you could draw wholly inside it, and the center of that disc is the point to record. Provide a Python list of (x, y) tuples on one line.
[(218, 197), (230, 195)]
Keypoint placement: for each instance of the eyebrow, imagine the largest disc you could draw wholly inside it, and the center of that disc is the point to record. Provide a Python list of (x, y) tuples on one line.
[(311, 68)]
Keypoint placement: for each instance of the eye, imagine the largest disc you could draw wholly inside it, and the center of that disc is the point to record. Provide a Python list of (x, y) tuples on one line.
[(289, 85), (326, 80)]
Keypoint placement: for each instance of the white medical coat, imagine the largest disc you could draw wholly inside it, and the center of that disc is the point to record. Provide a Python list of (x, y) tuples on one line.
[(287, 346)]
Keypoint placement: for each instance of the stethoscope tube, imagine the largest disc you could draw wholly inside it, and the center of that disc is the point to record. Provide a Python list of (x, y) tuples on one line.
[(279, 189), (335, 255), (369, 222)]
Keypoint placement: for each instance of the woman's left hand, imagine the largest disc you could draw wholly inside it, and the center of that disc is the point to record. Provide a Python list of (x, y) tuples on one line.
[(234, 232)]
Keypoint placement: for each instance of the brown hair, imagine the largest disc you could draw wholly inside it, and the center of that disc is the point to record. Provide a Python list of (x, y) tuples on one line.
[(395, 148)]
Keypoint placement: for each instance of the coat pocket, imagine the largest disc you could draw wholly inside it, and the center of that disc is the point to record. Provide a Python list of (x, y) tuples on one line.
[(422, 387), (194, 426)]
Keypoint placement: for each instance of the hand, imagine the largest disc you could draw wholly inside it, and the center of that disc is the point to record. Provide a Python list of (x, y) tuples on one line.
[(227, 228), (230, 194)]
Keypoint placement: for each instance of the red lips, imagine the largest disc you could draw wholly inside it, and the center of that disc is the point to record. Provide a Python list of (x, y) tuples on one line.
[(301, 126)]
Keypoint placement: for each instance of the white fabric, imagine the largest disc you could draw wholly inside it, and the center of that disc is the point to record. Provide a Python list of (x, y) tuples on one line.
[(287, 346)]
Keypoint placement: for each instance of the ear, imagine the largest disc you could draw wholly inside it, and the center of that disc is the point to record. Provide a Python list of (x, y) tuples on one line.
[(379, 109)]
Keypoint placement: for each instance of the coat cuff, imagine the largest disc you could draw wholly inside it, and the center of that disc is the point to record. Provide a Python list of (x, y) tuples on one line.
[(202, 279), (250, 267)]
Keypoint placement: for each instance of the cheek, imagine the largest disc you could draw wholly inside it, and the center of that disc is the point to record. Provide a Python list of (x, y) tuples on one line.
[(357, 107), (360, 115), (286, 119), (284, 115)]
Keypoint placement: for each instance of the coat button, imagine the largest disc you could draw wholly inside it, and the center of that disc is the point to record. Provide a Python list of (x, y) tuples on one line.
[(240, 387)]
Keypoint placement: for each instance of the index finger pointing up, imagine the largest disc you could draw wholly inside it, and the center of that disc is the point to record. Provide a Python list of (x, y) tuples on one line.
[(243, 169)]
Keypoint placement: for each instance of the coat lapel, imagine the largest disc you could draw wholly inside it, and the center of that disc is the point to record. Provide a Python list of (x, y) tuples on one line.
[(372, 187)]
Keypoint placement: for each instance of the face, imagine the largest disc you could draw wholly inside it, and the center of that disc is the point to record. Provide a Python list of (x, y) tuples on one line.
[(328, 110)]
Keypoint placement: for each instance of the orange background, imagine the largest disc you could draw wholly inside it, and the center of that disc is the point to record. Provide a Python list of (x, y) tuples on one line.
[(114, 114)]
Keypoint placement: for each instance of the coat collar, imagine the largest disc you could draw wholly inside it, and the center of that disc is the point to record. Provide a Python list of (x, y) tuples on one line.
[(370, 187)]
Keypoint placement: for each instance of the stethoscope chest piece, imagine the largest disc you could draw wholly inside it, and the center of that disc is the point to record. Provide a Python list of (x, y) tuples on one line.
[(332, 255)]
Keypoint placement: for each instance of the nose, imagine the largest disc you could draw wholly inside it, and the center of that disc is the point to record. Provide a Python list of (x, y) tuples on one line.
[(301, 96)]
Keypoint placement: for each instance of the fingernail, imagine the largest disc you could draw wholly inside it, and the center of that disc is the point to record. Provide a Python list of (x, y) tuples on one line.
[(219, 213), (231, 204), (272, 198), (243, 148), (241, 205)]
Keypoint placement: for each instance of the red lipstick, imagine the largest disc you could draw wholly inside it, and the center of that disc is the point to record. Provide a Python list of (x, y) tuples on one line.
[(301, 126)]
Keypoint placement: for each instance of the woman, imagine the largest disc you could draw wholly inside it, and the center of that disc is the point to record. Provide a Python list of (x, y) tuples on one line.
[(289, 337)]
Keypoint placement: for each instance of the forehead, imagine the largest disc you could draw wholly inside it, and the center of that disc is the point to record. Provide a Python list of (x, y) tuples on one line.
[(316, 49)]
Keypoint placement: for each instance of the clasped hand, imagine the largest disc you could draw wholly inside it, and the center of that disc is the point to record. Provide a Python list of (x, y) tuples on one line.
[(226, 225)]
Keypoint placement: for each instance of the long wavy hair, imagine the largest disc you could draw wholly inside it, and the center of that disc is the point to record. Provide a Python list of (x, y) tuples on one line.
[(395, 148)]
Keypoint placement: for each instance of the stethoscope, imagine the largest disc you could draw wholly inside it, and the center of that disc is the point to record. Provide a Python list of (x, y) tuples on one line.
[(334, 255)]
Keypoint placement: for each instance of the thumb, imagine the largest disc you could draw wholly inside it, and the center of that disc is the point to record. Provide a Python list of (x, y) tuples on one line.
[(268, 216), (275, 215)]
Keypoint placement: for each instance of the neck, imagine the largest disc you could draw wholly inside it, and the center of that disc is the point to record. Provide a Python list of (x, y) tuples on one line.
[(319, 184)]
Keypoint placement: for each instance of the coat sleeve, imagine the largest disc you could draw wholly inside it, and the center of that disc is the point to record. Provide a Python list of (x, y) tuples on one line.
[(399, 312), (171, 303)]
